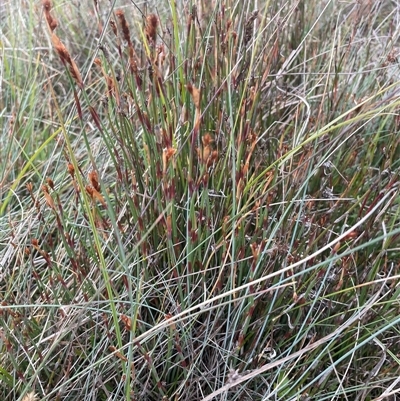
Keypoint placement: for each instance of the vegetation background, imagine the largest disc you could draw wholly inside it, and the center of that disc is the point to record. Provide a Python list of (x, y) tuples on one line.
[(199, 200)]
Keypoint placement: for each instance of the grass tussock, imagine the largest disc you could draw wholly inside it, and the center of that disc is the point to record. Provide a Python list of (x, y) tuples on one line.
[(199, 200)]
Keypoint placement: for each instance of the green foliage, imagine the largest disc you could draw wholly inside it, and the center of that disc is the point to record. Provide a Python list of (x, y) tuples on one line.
[(199, 198)]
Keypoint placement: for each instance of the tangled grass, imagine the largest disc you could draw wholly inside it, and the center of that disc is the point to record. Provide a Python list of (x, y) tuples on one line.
[(199, 200)]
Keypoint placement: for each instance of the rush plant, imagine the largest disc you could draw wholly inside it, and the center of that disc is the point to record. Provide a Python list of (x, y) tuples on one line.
[(199, 200)]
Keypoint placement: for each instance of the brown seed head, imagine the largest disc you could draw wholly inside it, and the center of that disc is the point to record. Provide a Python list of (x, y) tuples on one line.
[(114, 27), (195, 95), (47, 5), (89, 190), (124, 25), (60, 49), (207, 139), (214, 155), (52, 22), (248, 31), (127, 322), (151, 27), (47, 197), (94, 180), (76, 75), (71, 169), (169, 153), (132, 61), (50, 182)]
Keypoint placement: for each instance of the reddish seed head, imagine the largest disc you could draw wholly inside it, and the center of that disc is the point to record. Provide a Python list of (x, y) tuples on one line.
[(46, 5), (124, 25), (51, 21), (71, 169), (94, 180), (207, 139), (89, 190), (169, 153), (50, 182), (127, 322), (114, 27), (151, 27), (195, 94), (60, 49)]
